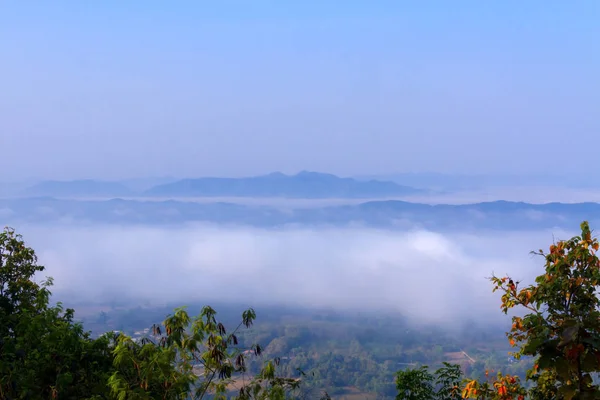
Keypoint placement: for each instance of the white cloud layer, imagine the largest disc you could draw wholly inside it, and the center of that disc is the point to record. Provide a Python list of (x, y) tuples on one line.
[(433, 276)]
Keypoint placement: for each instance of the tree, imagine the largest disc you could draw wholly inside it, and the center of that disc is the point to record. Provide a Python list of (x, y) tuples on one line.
[(43, 353), (503, 387), (415, 384), (561, 327), (19, 293), (420, 384), (448, 380), (194, 357)]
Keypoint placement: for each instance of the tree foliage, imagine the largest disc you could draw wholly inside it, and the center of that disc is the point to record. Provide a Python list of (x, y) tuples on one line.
[(44, 354), (502, 387), (561, 327), (415, 384), (193, 358), (420, 384), (448, 380)]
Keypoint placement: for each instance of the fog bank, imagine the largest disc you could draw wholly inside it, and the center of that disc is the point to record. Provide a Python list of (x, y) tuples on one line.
[(432, 276)]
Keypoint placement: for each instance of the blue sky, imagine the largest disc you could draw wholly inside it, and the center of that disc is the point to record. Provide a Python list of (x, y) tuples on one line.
[(113, 89)]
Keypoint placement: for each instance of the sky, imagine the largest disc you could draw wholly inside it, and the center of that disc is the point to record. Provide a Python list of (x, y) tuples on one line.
[(113, 89)]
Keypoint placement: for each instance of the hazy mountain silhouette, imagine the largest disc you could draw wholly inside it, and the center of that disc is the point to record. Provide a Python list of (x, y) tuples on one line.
[(302, 185), (78, 188), (380, 214)]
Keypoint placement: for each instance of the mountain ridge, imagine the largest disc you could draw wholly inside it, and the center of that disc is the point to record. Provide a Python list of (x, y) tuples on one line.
[(374, 214), (305, 184), (79, 187)]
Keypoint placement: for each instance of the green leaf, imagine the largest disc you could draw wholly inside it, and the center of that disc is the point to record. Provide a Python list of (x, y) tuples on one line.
[(589, 363), (562, 368), (568, 392), (532, 346)]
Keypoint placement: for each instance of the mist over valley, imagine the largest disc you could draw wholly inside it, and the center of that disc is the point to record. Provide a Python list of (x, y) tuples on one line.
[(299, 200)]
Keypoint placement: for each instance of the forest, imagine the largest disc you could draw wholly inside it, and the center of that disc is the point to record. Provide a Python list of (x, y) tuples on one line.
[(551, 351), (350, 354)]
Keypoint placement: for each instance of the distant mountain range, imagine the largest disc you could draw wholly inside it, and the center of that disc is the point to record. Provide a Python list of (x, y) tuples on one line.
[(308, 185), (78, 188), (305, 184), (453, 182), (302, 185), (380, 214)]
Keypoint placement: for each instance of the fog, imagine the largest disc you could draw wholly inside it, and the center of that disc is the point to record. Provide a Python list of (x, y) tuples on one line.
[(427, 275)]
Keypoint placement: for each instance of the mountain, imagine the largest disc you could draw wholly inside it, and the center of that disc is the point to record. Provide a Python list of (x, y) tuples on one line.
[(453, 182), (77, 188), (139, 185), (11, 189), (302, 185), (499, 215)]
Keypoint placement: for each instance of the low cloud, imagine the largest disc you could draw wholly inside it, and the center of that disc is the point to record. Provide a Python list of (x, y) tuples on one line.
[(431, 276)]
